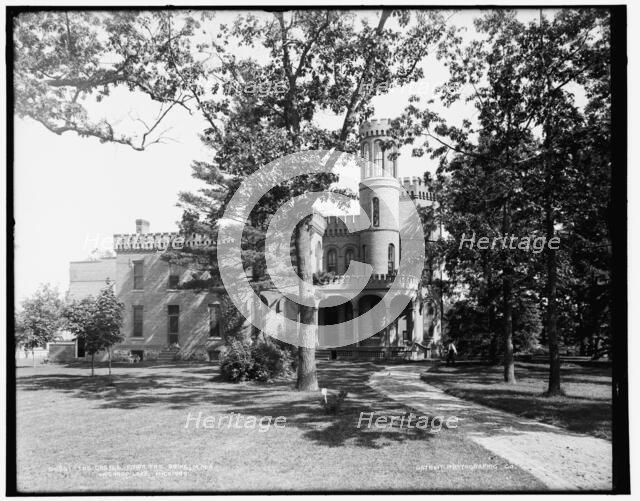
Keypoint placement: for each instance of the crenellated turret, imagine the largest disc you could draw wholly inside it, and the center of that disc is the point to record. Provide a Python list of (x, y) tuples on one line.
[(381, 157)]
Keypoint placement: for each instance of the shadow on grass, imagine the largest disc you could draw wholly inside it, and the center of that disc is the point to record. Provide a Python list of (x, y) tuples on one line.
[(199, 388), (587, 409)]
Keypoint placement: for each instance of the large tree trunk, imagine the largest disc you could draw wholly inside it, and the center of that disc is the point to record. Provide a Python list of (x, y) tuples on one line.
[(552, 311), (109, 354), (308, 315), (507, 333), (92, 364)]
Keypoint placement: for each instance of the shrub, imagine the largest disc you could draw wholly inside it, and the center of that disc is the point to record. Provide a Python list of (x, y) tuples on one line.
[(261, 361), (120, 356), (151, 355), (197, 355), (236, 361), (333, 403), (270, 361)]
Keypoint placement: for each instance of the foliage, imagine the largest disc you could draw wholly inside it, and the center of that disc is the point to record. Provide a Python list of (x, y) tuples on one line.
[(96, 321), (151, 355), (39, 320), (524, 165), (120, 356), (261, 361), (332, 404), (197, 355)]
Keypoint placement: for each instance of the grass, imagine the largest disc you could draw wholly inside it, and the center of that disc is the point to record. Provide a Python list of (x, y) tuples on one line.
[(586, 407), (75, 433)]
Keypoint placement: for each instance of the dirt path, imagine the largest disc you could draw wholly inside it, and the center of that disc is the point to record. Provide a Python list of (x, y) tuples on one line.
[(559, 458)]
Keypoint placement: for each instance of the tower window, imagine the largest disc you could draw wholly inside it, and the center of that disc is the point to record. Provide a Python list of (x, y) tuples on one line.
[(378, 159), (318, 256), (392, 258), (375, 212), (348, 258), (332, 261)]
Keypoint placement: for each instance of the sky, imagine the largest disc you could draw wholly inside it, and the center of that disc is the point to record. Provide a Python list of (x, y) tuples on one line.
[(72, 194)]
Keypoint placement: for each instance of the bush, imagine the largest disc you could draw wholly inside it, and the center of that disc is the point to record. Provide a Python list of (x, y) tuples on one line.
[(262, 361), (151, 355), (333, 403), (120, 356), (236, 361), (197, 355)]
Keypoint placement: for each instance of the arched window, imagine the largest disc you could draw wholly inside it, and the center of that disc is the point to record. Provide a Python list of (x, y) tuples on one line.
[(395, 164), (392, 258), (375, 212), (332, 261), (318, 256), (377, 158), (348, 257)]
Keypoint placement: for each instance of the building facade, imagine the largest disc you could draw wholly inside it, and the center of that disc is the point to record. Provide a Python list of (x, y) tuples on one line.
[(161, 318), (387, 200)]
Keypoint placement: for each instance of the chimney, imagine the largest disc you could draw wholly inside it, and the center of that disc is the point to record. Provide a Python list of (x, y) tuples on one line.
[(142, 226)]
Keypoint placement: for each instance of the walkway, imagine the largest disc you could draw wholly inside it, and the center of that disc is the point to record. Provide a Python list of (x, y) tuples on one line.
[(559, 458)]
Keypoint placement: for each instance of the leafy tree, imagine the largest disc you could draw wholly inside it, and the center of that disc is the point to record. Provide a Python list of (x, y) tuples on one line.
[(328, 61), (533, 141), (96, 322), (38, 322)]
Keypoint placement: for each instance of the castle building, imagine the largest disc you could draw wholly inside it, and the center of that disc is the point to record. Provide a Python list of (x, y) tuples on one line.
[(387, 200), (161, 318)]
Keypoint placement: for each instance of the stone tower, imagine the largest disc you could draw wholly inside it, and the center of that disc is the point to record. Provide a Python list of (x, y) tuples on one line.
[(379, 198)]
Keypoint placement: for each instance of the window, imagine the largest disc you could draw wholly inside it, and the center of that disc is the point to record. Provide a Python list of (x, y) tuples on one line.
[(375, 212), (377, 159), (138, 312), (174, 316), (215, 329), (392, 258), (332, 261), (138, 270), (348, 258), (364, 253), (174, 281)]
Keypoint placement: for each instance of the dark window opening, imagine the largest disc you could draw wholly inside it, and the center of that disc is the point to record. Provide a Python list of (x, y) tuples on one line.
[(332, 259), (376, 212), (174, 281), (138, 321), (348, 258), (392, 258), (138, 277), (214, 321), (174, 325)]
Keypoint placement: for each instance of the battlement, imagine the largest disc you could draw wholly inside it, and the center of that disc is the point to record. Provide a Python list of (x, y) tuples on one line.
[(137, 242), (376, 281), (416, 189), (337, 225), (376, 127)]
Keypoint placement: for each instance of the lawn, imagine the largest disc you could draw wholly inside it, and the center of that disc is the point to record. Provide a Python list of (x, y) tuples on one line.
[(586, 408), (76, 433)]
